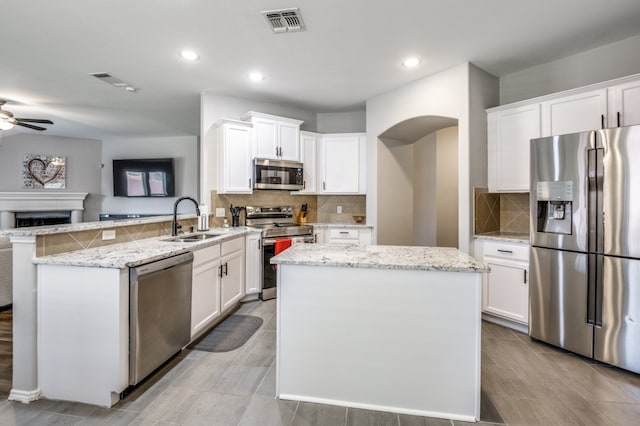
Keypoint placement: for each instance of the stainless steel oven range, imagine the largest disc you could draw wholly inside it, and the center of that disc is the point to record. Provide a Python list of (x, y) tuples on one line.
[(277, 227)]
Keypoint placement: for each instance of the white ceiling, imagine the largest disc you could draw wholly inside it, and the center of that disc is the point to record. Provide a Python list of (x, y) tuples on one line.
[(351, 50)]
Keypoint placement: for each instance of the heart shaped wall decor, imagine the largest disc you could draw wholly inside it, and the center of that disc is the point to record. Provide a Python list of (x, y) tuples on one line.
[(44, 171)]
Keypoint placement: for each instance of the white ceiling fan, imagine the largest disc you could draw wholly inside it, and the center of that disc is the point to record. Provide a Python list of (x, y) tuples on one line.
[(7, 120)]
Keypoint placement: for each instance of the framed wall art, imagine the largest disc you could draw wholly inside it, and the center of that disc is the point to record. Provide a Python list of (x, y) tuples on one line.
[(43, 171)]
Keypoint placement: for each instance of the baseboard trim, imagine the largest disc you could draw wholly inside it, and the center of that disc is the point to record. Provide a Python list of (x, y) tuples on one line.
[(24, 396), (376, 407), (522, 328)]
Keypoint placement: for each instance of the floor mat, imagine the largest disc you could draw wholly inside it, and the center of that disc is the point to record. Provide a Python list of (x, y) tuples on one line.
[(230, 334)]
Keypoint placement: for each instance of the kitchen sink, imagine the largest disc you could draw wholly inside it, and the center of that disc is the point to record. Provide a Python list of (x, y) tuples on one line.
[(193, 238)]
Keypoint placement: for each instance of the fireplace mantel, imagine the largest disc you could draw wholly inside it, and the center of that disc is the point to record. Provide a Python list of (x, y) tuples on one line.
[(33, 201)]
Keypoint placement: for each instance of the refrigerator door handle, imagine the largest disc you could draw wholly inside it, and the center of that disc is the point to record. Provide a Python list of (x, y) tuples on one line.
[(599, 290), (595, 178), (591, 289)]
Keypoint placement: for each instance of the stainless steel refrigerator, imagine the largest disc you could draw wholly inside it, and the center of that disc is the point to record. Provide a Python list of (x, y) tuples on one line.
[(584, 292)]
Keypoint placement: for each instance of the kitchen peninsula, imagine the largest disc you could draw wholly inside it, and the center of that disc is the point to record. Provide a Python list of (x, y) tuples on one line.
[(71, 253), (385, 328)]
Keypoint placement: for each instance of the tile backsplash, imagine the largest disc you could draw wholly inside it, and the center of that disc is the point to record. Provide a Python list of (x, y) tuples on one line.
[(321, 208), (501, 212)]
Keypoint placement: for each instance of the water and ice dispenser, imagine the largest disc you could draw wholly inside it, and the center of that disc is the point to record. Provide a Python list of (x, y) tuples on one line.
[(555, 207)]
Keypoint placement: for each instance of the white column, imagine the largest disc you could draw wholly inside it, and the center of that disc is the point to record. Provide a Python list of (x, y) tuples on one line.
[(7, 219), (76, 216), (25, 303)]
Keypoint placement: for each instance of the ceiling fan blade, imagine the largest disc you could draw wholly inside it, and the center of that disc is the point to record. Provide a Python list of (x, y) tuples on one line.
[(34, 120), (30, 126)]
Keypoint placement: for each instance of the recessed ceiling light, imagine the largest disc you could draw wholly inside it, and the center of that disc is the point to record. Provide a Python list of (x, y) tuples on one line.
[(411, 62), (189, 55), (256, 76)]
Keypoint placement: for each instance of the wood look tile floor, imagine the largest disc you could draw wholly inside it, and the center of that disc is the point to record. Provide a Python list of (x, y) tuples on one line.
[(523, 383), (6, 352)]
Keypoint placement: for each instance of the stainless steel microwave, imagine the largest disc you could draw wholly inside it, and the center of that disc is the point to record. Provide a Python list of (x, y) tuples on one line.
[(277, 174)]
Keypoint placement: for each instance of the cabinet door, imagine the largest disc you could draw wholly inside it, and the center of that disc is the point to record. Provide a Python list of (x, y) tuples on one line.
[(289, 141), (340, 163), (235, 159), (205, 288), (625, 101), (506, 291), (308, 143), (265, 138), (253, 277), (509, 135), (232, 285), (572, 114)]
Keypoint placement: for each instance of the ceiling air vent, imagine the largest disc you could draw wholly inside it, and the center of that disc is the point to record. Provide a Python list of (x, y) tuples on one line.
[(284, 20), (116, 82)]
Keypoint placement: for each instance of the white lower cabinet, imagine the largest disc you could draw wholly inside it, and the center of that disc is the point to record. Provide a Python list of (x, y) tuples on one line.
[(217, 282), (346, 235), (232, 273), (253, 256), (205, 288), (506, 287)]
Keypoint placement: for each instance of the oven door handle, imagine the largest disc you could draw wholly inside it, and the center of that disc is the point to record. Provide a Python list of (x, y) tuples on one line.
[(268, 242)]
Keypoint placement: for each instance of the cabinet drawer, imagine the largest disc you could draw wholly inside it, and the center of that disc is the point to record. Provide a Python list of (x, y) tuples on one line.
[(206, 254), (343, 234), (232, 246), (507, 250)]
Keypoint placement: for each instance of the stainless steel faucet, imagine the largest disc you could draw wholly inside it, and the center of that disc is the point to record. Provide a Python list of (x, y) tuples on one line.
[(174, 224)]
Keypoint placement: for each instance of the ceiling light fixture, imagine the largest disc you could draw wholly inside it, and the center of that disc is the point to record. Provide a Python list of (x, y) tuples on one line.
[(5, 125), (189, 55), (411, 62), (256, 76)]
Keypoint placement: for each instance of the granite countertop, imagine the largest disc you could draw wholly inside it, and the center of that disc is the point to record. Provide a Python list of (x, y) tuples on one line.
[(444, 259), (135, 253), (516, 237)]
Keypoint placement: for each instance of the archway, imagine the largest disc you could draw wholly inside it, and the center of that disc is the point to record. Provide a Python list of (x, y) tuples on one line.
[(418, 182)]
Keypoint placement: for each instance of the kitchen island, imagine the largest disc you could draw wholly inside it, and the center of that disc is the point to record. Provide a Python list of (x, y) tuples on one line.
[(380, 327)]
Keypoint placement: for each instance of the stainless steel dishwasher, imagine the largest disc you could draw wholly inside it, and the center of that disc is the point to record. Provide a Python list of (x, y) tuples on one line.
[(159, 313)]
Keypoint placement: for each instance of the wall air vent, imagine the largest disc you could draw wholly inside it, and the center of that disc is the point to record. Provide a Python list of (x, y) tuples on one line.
[(116, 82), (284, 20)]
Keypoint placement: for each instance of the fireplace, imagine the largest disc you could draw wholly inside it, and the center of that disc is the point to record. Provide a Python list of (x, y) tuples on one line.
[(35, 208), (25, 219)]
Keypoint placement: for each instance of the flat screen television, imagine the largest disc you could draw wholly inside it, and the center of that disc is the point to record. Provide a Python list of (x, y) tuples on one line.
[(143, 177)]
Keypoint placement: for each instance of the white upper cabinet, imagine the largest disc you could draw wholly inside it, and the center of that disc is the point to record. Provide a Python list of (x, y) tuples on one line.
[(342, 164), (509, 135), (234, 157), (308, 157), (624, 104), (510, 127), (576, 113), (276, 138)]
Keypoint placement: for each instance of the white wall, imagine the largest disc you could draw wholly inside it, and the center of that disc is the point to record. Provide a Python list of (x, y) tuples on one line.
[(83, 158), (592, 66), (424, 178), (184, 151), (435, 183), (462, 92), (447, 187), (395, 174), (442, 94), (342, 122)]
